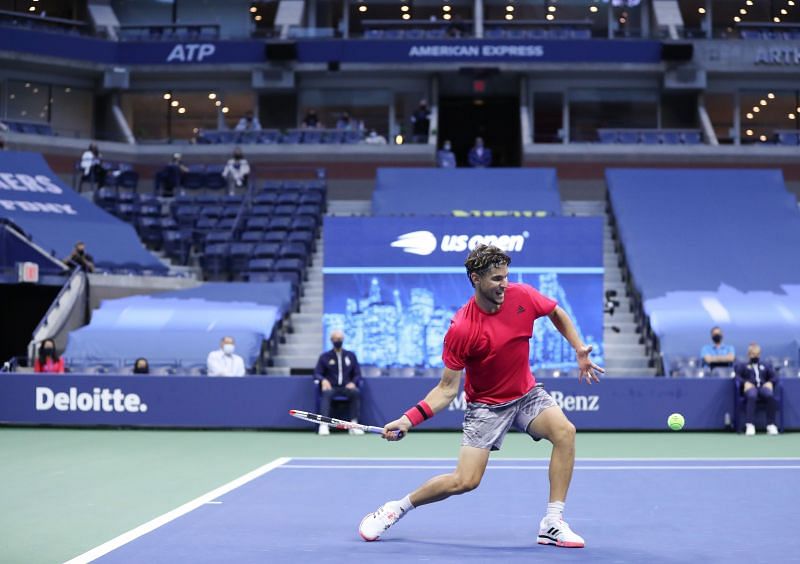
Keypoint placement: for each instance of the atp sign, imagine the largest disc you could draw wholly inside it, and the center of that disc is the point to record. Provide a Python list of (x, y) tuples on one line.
[(191, 52)]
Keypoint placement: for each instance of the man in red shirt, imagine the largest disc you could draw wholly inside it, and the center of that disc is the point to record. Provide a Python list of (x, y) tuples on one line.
[(489, 336)]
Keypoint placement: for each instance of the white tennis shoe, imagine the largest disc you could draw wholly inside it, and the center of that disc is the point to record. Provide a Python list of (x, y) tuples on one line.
[(556, 531), (772, 430), (375, 524)]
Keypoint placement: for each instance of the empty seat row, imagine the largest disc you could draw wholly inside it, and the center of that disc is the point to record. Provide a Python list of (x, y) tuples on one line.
[(649, 136), (540, 33), (768, 34), (407, 33), (30, 128)]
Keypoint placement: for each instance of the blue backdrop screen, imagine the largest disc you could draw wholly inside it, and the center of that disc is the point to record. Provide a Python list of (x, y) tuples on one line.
[(393, 284)]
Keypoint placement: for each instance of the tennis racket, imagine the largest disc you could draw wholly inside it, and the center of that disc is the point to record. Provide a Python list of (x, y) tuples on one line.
[(336, 423)]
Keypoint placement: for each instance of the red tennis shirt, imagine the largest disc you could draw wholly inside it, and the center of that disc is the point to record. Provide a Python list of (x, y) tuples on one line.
[(494, 347)]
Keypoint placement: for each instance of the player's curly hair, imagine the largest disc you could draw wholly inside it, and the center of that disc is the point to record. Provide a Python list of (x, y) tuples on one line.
[(483, 258)]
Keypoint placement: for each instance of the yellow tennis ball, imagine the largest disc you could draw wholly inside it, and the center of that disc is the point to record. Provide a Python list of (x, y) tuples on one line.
[(675, 421)]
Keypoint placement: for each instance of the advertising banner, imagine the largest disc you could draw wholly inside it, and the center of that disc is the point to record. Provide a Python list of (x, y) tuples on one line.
[(392, 284)]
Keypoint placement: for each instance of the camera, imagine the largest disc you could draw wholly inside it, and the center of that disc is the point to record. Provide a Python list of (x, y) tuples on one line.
[(610, 304)]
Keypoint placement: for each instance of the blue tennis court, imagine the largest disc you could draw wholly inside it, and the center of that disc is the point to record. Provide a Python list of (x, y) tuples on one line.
[(628, 510)]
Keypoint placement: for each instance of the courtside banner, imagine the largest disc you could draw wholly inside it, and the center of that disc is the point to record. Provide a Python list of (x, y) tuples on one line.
[(263, 402), (393, 283)]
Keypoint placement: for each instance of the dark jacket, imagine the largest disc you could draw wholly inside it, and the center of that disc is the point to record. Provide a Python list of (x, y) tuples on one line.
[(480, 161), (328, 368), (748, 373)]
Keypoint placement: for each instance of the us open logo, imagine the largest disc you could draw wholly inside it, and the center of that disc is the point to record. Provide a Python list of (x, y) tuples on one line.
[(424, 243)]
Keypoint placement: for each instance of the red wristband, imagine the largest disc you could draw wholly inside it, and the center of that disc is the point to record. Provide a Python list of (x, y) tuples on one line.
[(419, 413)]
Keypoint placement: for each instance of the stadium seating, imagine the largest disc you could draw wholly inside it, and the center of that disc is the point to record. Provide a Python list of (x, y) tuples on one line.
[(649, 136), (695, 266)]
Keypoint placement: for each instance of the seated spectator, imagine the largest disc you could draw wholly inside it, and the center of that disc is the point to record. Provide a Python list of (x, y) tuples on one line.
[(48, 359), (248, 123), (374, 139), (169, 177), (480, 156), (79, 258), (141, 366), (348, 123), (338, 373), (311, 120), (236, 171), (445, 158), (223, 361), (92, 170), (420, 123), (717, 354), (757, 379)]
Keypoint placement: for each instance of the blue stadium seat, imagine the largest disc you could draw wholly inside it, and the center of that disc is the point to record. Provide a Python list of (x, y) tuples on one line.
[(788, 138), (266, 198), (352, 137), (214, 260), (304, 237), (289, 197), (691, 137), (150, 210), (415, 34), (211, 211), (168, 224), (651, 137), (149, 229), (312, 136), (266, 250), (670, 137), (494, 33), (373, 34), (309, 210), (628, 137), (294, 250), (290, 265), (194, 178), (227, 224), (218, 237), (303, 223), (292, 137), (280, 223), (126, 212), (231, 210), (252, 236), (285, 210), (205, 223), (311, 197), (261, 265), (214, 179), (332, 137), (106, 198), (268, 137), (261, 211), (607, 136), (254, 223), (177, 245), (238, 259), (277, 236), (439, 33)]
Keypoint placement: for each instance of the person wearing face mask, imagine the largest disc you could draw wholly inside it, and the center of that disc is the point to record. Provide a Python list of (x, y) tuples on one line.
[(717, 354), (236, 171), (141, 366), (224, 361), (757, 380), (48, 359), (79, 258), (445, 158), (338, 374)]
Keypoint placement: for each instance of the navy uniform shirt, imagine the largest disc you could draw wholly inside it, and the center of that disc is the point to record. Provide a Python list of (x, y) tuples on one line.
[(757, 374), (338, 372)]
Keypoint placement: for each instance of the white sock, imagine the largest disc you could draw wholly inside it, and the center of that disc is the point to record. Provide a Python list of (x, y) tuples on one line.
[(555, 509), (405, 504)]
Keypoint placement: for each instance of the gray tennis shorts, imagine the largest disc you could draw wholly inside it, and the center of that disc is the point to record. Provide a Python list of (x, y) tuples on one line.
[(485, 425)]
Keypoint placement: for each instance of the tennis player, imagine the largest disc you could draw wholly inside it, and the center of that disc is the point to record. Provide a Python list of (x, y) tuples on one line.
[(489, 336)]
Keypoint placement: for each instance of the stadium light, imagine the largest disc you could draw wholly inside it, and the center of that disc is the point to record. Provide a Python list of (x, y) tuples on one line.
[(701, 10), (749, 2), (167, 95), (225, 110), (398, 139), (212, 96), (737, 19), (756, 109), (404, 8), (181, 110), (32, 9), (362, 8), (749, 132), (783, 11), (406, 17), (218, 103), (749, 115), (174, 103), (791, 2), (258, 18), (593, 9), (509, 8), (253, 9), (771, 96), (445, 8), (762, 102), (446, 16), (509, 16), (776, 19), (792, 116), (551, 8), (68, 90), (743, 11), (550, 17), (762, 138)]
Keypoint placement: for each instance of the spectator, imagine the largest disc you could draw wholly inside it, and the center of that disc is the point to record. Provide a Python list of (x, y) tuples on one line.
[(236, 171), (338, 373), (421, 122), (223, 361), (80, 258), (311, 120), (92, 170), (480, 156), (248, 123), (445, 158), (348, 123), (169, 177), (757, 379), (141, 366), (717, 354), (374, 139), (48, 359)]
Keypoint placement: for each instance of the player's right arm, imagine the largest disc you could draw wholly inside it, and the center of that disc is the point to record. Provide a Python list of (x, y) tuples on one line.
[(437, 399)]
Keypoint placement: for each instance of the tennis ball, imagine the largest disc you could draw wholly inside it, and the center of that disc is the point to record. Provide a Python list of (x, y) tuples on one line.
[(675, 422)]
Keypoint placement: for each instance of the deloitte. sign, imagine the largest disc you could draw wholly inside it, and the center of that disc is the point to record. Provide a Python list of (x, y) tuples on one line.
[(100, 399)]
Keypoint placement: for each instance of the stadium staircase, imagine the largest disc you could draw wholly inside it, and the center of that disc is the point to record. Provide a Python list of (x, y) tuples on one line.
[(626, 353)]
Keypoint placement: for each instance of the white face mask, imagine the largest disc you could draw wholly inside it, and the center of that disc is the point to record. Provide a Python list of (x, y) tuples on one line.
[(227, 348)]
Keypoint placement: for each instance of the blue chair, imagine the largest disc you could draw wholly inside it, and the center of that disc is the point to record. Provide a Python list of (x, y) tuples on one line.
[(262, 210), (214, 179), (303, 223), (304, 237), (289, 197), (312, 136), (238, 259), (670, 137), (266, 250), (293, 250), (252, 236), (628, 137), (260, 265), (607, 136), (177, 245), (266, 199), (691, 137), (651, 137), (278, 236), (214, 261), (258, 223), (287, 210)]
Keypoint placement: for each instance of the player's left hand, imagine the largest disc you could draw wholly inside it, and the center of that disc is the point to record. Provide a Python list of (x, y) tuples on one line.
[(350, 386), (587, 368)]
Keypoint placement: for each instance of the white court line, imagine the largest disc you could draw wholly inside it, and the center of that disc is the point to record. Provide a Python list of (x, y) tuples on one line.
[(490, 467), (162, 520), (546, 458)]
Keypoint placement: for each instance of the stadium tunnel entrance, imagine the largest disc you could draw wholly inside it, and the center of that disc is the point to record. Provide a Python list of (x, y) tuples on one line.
[(495, 118)]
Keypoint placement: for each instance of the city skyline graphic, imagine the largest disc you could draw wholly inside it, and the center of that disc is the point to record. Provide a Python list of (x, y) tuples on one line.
[(400, 320)]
